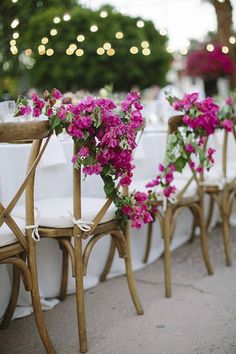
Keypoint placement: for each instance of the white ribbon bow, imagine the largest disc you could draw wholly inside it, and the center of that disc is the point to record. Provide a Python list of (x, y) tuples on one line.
[(82, 224), (161, 197), (35, 233)]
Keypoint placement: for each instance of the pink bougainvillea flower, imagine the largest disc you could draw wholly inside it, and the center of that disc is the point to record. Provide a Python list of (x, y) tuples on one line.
[(56, 94), (227, 124), (25, 110)]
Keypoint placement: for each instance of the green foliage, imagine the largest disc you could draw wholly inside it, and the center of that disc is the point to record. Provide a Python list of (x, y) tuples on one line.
[(89, 71)]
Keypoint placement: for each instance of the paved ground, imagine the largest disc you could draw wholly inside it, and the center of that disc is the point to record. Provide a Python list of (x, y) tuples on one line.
[(199, 319)]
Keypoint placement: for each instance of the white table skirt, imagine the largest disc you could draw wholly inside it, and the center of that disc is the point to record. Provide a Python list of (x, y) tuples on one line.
[(55, 180)]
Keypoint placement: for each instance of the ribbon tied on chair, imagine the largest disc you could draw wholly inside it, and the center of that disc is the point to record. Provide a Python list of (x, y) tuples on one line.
[(35, 232), (82, 224)]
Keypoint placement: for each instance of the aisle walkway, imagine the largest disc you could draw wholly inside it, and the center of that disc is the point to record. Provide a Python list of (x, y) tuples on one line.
[(199, 319)]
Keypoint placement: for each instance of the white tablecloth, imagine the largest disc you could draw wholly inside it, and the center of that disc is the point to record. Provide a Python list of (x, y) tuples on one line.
[(55, 180)]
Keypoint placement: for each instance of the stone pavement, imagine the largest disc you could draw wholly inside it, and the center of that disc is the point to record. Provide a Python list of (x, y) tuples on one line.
[(200, 318)]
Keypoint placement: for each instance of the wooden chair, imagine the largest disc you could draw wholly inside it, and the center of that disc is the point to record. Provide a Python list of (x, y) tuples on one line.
[(190, 195), (17, 247), (222, 191), (72, 220)]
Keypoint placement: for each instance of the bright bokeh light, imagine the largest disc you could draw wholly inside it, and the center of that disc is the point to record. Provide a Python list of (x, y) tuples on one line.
[(15, 23), (73, 46), (28, 52), (69, 51), (146, 51), (41, 48), (53, 32), (133, 50), (80, 38), (210, 47), (66, 17), (100, 51), (140, 24), (15, 35), (145, 44), (107, 46), (44, 40), (103, 14), (163, 32), (183, 51), (232, 40), (14, 50), (12, 42), (170, 49), (119, 35), (225, 49), (94, 28), (50, 52), (56, 19), (111, 52), (79, 52)]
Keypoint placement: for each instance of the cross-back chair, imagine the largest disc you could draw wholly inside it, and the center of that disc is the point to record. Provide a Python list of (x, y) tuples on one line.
[(17, 247), (71, 221), (222, 191), (190, 195)]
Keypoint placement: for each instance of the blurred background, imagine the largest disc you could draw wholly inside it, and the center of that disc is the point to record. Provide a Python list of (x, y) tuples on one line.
[(82, 46)]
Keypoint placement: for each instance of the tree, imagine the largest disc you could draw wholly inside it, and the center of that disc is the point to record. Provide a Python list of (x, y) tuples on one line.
[(92, 71)]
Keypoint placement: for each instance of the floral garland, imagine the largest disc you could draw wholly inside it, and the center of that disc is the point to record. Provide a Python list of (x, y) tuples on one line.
[(105, 137)]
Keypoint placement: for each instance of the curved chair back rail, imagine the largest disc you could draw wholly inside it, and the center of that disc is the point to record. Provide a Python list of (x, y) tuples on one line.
[(28, 130)]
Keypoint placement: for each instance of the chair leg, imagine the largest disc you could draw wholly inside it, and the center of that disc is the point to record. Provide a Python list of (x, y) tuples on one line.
[(36, 301), (225, 222), (191, 239), (109, 261), (204, 240), (13, 300), (64, 277), (210, 212), (130, 275), (167, 260), (149, 242), (80, 294)]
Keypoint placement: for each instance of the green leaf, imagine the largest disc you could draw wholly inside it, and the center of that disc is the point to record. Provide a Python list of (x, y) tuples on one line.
[(54, 121), (180, 164)]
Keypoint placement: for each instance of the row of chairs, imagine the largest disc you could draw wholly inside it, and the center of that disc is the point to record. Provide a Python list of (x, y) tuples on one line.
[(17, 246)]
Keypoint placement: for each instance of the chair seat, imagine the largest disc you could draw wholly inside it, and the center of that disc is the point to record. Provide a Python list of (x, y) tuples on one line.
[(55, 212), (6, 235), (178, 182)]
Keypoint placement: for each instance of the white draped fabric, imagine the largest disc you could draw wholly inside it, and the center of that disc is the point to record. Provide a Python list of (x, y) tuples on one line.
[(54, 179)]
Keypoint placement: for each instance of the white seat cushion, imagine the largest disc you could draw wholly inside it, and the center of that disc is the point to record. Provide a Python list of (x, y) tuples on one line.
[(178, 182), (6, 235), (55, 212)]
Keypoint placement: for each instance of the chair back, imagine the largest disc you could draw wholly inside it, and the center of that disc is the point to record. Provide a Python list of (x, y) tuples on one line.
[(35, 132)]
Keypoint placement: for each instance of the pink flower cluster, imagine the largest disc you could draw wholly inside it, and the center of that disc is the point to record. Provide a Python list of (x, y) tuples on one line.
[(201, 115), (164, 179), (138, 210), (108, 137)]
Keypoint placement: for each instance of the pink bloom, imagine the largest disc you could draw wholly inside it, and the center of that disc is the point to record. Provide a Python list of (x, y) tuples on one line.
[(161, 168), (49, 112), (36, 112), (125, 181), (56, 94), (147, 218), (230, 101), (137, 223), (140, 197), (25, 110), (84, 152), (190, 148), (199, 169), (227, 124)]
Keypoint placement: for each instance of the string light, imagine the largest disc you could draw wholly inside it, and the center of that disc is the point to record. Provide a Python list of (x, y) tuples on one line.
[(53, 32), (119, 35), (12, 42), (66, 17), (183, 51), (163, 32), (225, 49), (133, 50), (50, 52), (79, 52), (80, 38), (73, 46), (170, 50), (15, 23), (94, 28), (103, 14), (41, 48), (14, 1), (56, 19), (69, 51), (100, 51), (111, 52), (145, 44), (15, 35), (210, 47), (28, 52), (14, 50), (140, 24), (146, 51), (44, 40), (107, 46), (232, 40), (221, 1)]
